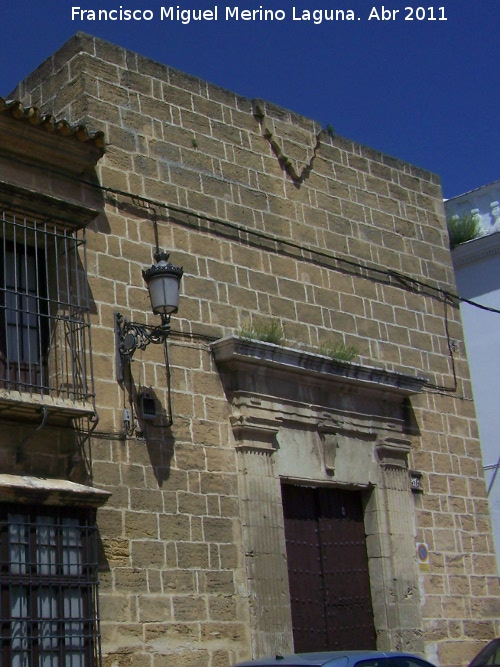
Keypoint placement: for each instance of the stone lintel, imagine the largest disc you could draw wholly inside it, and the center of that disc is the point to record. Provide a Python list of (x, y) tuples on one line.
[(250, 407), (26, 199), (352, 427), (45, 491)]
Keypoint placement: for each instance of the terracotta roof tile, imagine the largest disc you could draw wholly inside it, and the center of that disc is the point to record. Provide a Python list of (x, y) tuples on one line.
[(48, 122)]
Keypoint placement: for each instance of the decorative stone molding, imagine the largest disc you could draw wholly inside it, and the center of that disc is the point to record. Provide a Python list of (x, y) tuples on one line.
[(43, 491), (304, 418), (495, 214), (473, 251), (238, 354), (255, 433), (269, 386), (294, 146), (73, 149), (393, 452), (22, 405), (331, 445), (333, 439), (70, 214)]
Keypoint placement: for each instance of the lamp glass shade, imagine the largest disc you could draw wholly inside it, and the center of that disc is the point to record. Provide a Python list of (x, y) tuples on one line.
[(163, 280), (164, 293)]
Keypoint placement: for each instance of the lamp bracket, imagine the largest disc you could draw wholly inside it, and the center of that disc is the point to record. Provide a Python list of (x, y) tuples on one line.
[(132, 336)]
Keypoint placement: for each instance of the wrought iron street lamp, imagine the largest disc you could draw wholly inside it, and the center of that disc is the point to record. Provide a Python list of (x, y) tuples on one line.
[(163, 281)]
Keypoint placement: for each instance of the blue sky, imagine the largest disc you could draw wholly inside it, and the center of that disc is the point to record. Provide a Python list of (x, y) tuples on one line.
[(425, 91)]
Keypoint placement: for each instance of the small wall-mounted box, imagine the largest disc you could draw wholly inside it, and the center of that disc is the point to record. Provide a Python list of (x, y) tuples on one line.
[(147, 406), (416, 481)]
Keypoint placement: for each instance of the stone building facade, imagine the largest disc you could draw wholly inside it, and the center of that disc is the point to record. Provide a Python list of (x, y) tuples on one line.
[(208, 459)]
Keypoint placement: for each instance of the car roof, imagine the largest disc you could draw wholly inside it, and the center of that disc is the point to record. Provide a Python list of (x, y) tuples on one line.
[(485, 653), (323, 658)]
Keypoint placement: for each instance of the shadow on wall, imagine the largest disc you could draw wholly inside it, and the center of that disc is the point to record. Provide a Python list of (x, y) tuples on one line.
[(151, 422)]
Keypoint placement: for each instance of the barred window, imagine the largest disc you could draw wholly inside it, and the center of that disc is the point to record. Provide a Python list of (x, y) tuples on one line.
[(44, 313), (48, 581)]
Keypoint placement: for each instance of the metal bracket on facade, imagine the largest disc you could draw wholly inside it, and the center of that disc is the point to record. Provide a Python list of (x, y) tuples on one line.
[(130, 336)]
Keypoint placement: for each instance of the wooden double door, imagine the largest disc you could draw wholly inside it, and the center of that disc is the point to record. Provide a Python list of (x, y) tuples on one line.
[(328, 569)]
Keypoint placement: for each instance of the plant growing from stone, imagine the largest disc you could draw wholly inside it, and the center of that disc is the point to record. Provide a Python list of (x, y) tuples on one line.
[(339, 351), (267, 332), (462, 229)]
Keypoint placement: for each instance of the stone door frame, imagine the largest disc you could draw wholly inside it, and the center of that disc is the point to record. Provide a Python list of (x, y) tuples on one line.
[(301, 418)]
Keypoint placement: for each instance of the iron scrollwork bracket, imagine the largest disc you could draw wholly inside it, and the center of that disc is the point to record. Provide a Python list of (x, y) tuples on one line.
[(132, 336)]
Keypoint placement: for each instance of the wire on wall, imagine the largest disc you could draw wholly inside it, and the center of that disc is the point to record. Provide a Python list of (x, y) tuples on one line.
[(290, 248)]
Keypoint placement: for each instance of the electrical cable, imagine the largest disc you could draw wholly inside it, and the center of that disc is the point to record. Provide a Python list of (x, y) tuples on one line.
[(152, 205), (401, 278), (290, 248)]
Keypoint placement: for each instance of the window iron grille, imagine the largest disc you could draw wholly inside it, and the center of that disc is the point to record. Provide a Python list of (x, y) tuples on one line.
[(48, 582), (44, 311)]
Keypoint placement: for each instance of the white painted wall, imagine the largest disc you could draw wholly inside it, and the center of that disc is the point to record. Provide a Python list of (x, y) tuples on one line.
[(477, 271), (483, 202)]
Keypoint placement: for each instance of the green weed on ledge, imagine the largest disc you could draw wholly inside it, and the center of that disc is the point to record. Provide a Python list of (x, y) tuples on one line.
[(267, 332)]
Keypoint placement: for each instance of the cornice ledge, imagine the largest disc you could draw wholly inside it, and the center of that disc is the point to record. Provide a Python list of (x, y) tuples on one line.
[(59, 147), (477, 249), (237, 353), (25, 405), (44, 491)]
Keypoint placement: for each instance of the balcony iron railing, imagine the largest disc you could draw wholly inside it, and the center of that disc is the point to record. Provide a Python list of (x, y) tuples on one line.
[(44, 311)]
